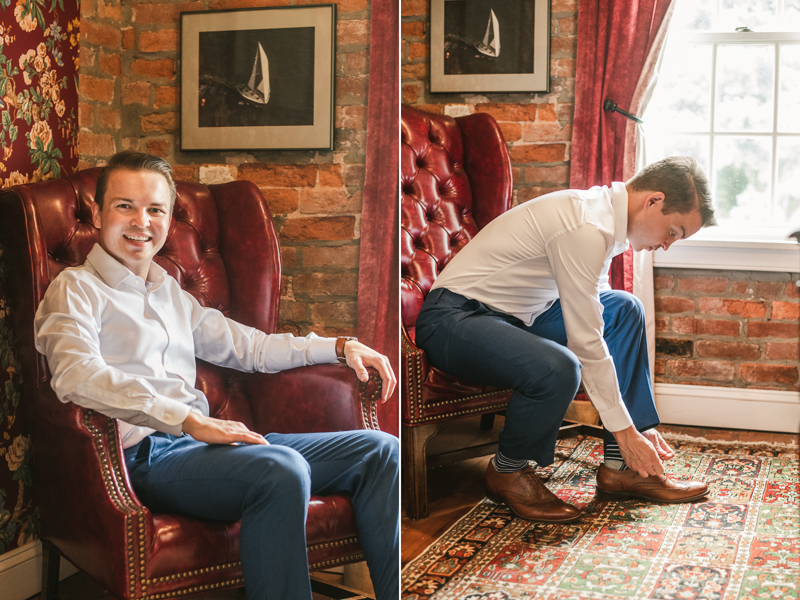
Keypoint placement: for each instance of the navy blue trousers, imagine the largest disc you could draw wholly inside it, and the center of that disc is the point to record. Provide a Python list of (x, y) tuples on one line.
[(473, 342), (268, 488)]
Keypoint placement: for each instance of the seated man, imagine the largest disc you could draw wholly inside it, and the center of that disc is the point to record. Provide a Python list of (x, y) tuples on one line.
[(121, 338), (526, 304)]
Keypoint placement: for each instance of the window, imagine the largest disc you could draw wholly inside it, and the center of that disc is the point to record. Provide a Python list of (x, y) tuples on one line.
[(731, 99)]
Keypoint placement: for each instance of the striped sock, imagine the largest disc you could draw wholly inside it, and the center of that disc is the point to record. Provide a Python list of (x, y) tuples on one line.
[(508, 465), (613, 457)]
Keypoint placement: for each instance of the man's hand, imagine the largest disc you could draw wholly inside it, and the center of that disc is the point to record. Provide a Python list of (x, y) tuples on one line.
[(663, 449), (219, 431), (359, 357), (639, 453)]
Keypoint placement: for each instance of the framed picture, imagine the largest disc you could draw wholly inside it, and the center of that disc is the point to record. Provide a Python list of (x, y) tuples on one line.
[(258, 79), (490, 45)]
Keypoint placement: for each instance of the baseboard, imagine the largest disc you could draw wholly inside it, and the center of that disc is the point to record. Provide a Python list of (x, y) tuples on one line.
[(21, 572), (730, 408)]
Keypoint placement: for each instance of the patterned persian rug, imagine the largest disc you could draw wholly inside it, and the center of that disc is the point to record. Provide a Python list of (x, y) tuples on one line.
[(742, 543)]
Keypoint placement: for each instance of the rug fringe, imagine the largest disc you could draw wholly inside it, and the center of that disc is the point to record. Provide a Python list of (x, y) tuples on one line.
[(682, 437)]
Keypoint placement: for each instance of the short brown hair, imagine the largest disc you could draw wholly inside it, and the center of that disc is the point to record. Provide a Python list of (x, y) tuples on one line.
[(128, 160), (683, 183)]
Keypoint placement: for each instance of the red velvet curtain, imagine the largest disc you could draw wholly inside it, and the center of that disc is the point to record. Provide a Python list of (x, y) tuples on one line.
[(378, 268), (618, 43)]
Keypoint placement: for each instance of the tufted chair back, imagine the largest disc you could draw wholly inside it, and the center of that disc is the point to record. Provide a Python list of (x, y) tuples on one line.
[(455, 178), (222, 248)]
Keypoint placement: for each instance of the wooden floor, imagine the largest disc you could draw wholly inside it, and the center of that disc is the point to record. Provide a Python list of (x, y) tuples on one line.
[(453, 490)]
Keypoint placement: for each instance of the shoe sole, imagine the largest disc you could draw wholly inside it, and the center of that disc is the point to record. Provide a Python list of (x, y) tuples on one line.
[(499, 500), (611, 496)]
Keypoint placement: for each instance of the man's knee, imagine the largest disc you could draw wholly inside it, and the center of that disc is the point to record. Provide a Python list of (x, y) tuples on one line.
[(383, 447), (284, 470), (623, 305), (557, 373)]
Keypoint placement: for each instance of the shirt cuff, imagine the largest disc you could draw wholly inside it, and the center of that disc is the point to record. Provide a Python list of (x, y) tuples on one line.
[(171, 412), (616, 418), (322, 350)]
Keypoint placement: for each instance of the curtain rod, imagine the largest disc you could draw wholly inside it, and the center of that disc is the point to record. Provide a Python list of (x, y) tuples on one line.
[(610, 105)]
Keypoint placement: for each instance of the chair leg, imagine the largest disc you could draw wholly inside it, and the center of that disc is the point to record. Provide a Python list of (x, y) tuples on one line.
[(50, 563), (487, 422), (415, 474)]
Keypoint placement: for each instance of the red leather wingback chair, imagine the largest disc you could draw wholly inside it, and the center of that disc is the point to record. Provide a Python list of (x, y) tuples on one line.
[(222, 248), (455, 178)]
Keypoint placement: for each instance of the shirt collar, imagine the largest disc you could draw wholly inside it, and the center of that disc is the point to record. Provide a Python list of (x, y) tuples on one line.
[(619, 204), (114, 272)]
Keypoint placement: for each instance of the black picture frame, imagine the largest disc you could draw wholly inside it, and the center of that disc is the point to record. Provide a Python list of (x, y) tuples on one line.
[(226, 58)]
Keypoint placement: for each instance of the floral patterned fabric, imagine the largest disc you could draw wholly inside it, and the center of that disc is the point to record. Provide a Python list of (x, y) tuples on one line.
[(39, 42)]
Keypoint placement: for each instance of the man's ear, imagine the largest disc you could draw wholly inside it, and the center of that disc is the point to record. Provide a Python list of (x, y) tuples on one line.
[(654, 199), (96, 214)]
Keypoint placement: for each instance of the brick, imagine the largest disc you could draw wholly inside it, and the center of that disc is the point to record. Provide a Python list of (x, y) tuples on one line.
[(107, 11), (214, 174), (185, 172), (512, 132), (661, 366), (417, 51), (326, 284), (562, 67), (702, 369), (93, 144), (558, 175), (528, 193), (357, 62), (684, 325), (526, 153), (330, 176), (546, 112), (328, 201), (673, 304), (417, 71), (718, 327), (567, 26), (664, 282), (662, 325), (410, 8), (288, 257), (728, 306), (352, 32), (160, 68), (160, 40), (351, 87), (281, 200), (546, 132), (674, 346), (160, 122), (277, 175), (164, 13), (158, 147), (111, 64), (331, 256), (345, 6), (319, 228), (351, 117), (414, 29), (738, 287), (167, 95), (335, 312), (508, 112), (128, 38), (786, 311), (229, 4), (768, 289), (100, 34), (294, 311), (564, 45), (709, 285), (792, 290), (85, 115), (411, 92), (137, 92), (769, 374), (782, 351), (87, 57), (731, 350), (776, 330), (354, 175), (108, 118), (95, 88)]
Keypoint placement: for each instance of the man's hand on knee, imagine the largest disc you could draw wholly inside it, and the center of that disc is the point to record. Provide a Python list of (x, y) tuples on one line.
[(638, 452), (219, 431)]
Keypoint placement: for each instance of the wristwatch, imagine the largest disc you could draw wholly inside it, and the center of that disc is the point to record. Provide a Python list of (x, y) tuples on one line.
[(340, 341)]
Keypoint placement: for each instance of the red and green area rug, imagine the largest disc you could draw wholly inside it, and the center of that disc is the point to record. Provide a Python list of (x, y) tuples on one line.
[(743, 542)]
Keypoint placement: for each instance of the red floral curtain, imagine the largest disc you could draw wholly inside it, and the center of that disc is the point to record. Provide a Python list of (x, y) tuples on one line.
[(378, 269), (618, 41)]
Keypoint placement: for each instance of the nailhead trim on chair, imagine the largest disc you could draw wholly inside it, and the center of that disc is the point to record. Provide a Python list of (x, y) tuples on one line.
[(337, 561), (369, 405)]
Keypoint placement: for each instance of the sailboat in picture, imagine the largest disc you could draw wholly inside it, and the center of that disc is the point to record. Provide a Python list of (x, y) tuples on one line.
[(490, 46), (257, 88)]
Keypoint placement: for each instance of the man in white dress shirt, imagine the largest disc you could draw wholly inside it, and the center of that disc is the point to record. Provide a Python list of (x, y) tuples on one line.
[(121, 338), (526, 304)]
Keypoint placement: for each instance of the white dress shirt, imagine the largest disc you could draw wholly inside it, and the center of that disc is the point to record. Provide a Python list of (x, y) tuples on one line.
[(559, 245), (126, 347)]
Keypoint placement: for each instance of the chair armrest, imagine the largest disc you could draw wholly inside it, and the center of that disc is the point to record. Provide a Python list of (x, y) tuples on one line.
[(313, 399), (414, 364)]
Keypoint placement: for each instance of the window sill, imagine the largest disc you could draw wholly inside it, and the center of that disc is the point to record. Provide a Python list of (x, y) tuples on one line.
[(729, 255)]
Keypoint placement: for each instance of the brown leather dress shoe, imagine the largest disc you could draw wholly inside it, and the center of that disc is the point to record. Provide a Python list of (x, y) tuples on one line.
[(621, 485), (527, 497)]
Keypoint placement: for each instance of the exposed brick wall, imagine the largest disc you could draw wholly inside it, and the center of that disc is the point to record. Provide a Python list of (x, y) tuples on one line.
[(130, 98), (537, 127), (725, 328)]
